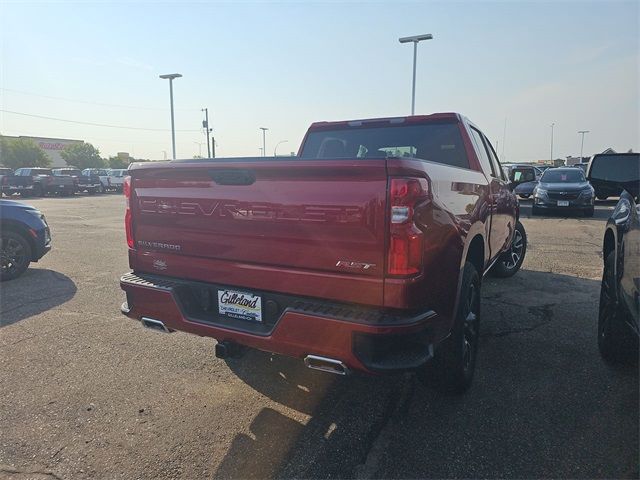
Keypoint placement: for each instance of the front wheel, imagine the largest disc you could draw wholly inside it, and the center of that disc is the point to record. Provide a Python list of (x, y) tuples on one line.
[(454, 361), (511, 260), (15, 255)]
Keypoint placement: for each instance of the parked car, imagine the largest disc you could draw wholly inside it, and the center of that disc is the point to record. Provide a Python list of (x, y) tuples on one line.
[(103, 175), (116, 178), (611, 173), (24, 238), (619, 291), (582, 166), (83, 183), (563, 188), (38, 181), (364, 253), (524, 179), (10, 184)]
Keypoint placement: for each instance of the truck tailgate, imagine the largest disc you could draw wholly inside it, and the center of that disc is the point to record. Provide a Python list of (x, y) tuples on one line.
[(285, 219)]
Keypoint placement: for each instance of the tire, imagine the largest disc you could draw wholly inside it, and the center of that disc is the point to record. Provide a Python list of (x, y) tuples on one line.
[(38, 191), (589, 212), (524, 195), (510, 261), (15, 255), (91, 191), (101, 188), (453, 365), (615, 338), (535, 211)]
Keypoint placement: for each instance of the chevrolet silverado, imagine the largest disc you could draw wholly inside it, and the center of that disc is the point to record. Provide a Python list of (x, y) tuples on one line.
[(365, 252)]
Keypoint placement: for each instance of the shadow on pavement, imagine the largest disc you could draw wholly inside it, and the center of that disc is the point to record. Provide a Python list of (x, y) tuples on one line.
[(36, 291), (543, 403)]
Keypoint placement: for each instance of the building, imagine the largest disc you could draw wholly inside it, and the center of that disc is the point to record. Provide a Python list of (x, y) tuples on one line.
[(51, 146)]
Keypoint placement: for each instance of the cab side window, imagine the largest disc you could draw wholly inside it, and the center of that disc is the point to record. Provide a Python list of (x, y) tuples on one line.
[(495, 163), (483, 157)]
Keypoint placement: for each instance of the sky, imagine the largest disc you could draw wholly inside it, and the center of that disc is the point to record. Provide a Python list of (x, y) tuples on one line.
[(513, 68)]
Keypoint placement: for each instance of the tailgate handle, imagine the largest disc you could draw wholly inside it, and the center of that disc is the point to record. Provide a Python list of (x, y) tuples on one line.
[(232, 177)]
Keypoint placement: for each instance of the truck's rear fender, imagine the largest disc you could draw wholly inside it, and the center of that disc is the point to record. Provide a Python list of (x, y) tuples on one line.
[(457, 212)]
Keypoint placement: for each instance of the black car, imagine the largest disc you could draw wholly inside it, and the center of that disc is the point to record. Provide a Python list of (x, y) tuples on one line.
[(563, 188), (611, 173), (619, 298), (524, 179), (24, 238)]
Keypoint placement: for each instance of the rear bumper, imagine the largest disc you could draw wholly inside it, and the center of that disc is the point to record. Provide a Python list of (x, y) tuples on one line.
[(364, 339)]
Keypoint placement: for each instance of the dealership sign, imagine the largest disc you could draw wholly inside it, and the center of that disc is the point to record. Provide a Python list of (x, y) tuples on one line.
[(51, 146)]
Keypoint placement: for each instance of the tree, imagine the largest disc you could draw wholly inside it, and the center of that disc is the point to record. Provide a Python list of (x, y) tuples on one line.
[(22, 152), (82, 155), (118, 162)]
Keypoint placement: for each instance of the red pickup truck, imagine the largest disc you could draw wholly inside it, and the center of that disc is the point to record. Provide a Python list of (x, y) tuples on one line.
[(363, 253)]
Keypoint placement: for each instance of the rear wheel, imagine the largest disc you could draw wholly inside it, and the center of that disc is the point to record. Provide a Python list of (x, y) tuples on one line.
[(38, 191), (615, 338), (15, 255), (511, 260), (454, 361)]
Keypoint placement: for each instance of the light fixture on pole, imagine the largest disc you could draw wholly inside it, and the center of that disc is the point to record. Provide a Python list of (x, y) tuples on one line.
[(552, 125), (170, 77), (582, 132), (264, 141), (275, 150), (415, 40)]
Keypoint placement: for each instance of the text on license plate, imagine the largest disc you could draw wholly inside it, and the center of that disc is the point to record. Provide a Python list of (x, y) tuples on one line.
[(563, 203), (241, 305)]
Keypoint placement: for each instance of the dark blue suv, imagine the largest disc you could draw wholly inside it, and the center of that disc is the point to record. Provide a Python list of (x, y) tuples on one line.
[(24, 238)]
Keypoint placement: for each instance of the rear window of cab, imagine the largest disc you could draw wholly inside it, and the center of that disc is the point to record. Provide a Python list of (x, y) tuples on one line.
[(435, 142)]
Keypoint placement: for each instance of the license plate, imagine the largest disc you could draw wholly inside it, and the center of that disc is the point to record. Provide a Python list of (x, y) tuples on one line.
[(241, 305), (563, 203)]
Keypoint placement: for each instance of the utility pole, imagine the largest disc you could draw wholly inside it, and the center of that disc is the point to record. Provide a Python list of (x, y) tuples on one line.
[(552, 125), (264, 141), (582, 132), (213, 146), (205, 125)]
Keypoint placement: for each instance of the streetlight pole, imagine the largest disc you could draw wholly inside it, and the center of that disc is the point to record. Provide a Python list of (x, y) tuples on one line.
[(264, 141), (275, 150), (205, 125), (415, 40), (170, 77), (582, 132), (552, 125)]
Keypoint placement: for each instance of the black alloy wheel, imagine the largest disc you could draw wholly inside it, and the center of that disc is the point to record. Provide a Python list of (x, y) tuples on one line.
[(15, 255), (511, 260)]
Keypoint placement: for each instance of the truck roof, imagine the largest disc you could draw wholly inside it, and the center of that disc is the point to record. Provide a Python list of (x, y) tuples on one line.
[(452, 116)]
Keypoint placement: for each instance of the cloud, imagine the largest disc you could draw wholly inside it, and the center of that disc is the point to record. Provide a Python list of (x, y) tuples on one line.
[(133, 63)]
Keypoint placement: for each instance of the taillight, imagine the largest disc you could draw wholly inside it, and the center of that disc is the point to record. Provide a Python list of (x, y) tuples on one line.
[(405, 238), (128, 223)]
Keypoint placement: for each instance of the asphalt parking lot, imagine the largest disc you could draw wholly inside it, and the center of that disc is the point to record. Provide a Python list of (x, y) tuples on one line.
[(88, 393)]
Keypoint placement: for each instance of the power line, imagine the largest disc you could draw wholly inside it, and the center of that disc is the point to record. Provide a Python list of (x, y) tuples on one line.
[(135, 107), (93, 124)]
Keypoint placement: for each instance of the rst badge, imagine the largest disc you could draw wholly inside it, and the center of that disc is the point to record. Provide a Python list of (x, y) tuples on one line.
[(354, 265)]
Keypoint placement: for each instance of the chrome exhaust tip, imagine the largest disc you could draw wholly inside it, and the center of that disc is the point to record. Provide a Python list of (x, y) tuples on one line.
[(153, 324), (325, 364)]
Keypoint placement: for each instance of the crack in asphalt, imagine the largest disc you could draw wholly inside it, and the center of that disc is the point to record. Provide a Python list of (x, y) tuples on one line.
[(381, 434), (16, 471)]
